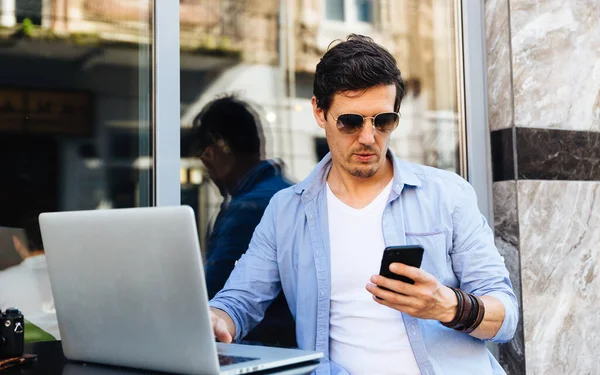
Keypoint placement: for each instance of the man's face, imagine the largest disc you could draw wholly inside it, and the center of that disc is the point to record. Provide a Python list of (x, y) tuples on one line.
[(363, 153), (216, 161)]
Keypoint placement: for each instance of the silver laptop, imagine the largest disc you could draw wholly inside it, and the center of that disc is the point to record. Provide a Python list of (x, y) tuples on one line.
[(129, 290)]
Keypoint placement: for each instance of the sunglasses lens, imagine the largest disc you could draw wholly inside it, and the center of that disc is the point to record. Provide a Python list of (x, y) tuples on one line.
[(386, 122), (349, 123)]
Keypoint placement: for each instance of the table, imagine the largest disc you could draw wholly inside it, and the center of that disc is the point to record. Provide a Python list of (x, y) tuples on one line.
[(51, 361)]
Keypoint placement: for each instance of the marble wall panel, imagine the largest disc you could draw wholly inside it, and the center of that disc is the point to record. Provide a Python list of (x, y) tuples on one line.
[(559, 249), (555, 48), (502, 147), (511, 355), (549, 154), (499, 73)]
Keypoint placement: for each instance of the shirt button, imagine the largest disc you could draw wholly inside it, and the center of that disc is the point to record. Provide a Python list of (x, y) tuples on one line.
[(322, 293)]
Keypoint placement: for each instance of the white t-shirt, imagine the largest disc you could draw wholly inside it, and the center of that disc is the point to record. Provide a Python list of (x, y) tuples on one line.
[(26, 286), (364, 336)]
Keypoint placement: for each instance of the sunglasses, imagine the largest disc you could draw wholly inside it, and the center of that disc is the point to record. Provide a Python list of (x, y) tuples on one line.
[(352, 123)]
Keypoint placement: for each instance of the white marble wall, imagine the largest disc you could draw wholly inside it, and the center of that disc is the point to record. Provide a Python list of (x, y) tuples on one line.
[(506, 228), (499, 75), (559, 224), (556, 63), (544, 72)]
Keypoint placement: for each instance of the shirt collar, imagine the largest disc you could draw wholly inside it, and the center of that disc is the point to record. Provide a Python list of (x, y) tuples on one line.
[(35, 261), (403, 176)]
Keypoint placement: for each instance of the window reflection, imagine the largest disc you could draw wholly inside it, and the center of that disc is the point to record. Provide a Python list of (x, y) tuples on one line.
[(364, 10), (74, 129), (334, 10), (271, 62)]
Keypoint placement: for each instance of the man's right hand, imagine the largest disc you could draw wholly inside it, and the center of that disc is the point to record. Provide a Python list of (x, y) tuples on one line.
[(222, 325)]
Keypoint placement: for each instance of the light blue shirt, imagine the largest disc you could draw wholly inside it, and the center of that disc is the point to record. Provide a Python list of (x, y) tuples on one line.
[(427, 206)]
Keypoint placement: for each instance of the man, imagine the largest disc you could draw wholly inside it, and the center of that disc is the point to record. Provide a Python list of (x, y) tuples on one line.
[(27, 285), (228, 139), (322, 240)]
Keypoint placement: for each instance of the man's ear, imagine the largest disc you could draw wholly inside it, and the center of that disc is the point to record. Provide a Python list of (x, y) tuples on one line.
[(20, 247), (318, 113)]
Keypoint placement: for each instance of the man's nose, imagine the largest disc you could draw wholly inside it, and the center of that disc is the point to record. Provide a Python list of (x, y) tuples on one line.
[(367, 133)]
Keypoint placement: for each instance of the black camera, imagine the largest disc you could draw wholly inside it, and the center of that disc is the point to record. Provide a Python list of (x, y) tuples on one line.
[(12, 333)]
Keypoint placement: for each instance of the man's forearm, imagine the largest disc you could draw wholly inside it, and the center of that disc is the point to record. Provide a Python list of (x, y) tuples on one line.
[(223, 315), (492, 320)]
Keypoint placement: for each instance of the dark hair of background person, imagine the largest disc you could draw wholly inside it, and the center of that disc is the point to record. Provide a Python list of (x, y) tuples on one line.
[(21, 208), (229, 119), (30, 223), (355, 64)]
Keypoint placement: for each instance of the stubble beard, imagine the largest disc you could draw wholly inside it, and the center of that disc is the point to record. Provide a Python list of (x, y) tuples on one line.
[(363, 173), (363, 170)]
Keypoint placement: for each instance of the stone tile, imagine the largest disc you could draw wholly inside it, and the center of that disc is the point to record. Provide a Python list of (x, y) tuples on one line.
[(500, 103), (556, 63), (559, 237)]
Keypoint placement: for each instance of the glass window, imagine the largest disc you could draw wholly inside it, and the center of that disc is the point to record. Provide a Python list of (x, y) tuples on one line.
[(364, 10), (243, 48), (30, 10), (74, 121), (334, 10)]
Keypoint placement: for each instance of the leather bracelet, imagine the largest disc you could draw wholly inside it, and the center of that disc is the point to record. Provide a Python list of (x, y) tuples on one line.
[(459, 309), (469, 322), (469, 313), (462, 308), (480, 315)]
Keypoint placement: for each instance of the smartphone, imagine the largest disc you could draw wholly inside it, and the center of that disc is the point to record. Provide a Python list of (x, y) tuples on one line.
[(411, 255)]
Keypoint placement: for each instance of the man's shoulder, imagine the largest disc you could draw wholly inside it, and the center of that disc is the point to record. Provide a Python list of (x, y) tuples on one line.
[(432, 177), (287, 195), (12, 273), (266, 188)]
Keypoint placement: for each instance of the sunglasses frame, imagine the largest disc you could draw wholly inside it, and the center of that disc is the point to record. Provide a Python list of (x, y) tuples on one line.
[(358, 130)]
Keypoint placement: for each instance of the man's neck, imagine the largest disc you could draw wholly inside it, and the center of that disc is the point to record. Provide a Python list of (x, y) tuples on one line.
[(358, 192), (243, 165), (34, 253)]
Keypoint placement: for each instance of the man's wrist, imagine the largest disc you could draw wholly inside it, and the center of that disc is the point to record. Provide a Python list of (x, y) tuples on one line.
[(450, 305)]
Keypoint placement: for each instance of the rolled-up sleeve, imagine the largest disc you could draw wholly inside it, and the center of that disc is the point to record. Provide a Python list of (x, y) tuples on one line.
[(255, 281), (477, 263)]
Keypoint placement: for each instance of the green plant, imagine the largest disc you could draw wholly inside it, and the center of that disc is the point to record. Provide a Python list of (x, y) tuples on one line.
[(28, 27)]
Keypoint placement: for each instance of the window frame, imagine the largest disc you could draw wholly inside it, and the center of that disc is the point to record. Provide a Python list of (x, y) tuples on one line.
[(165, 112)]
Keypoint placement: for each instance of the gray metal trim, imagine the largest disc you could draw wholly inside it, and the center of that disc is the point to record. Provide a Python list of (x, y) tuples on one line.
[(166, 112), (479, 164)]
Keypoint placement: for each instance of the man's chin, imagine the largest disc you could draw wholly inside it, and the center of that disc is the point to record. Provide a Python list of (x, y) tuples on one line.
[(364, 172)]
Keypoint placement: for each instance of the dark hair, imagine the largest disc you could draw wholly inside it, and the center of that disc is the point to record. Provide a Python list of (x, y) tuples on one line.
[(230, 119), (356, 64), (29, 221)]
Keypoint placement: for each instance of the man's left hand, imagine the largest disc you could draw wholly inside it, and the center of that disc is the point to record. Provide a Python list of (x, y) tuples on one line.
[(426, 299)]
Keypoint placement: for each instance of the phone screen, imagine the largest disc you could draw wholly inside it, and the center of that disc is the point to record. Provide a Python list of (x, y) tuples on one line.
[(411, 255)]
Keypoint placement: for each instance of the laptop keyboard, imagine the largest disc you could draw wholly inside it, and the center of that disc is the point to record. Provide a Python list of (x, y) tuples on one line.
[(231, 360)]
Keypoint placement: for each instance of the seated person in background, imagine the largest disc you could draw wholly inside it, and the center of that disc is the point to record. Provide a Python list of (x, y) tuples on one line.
[(227, 137), (26, 286)]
